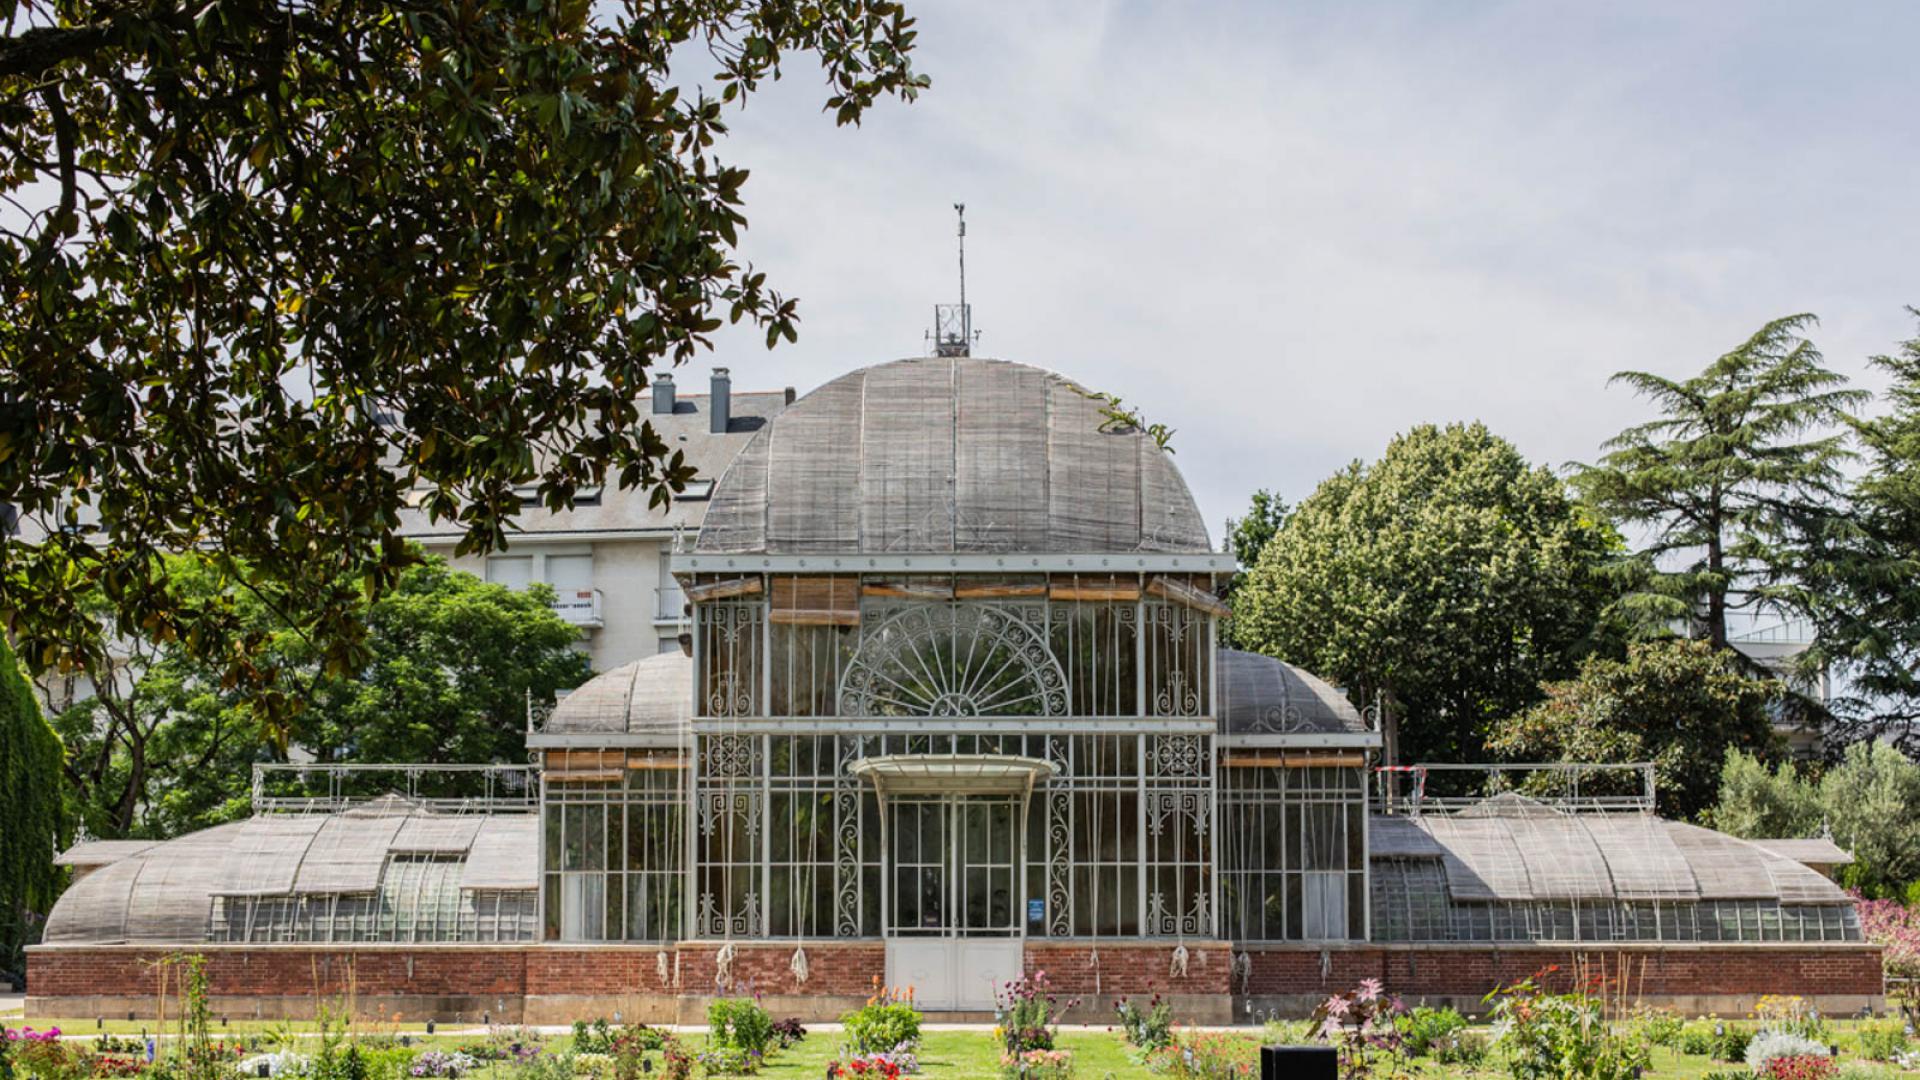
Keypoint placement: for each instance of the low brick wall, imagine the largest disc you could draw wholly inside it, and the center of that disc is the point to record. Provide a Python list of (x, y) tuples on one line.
[(1697, 978), (558, 983), (1098, 972)]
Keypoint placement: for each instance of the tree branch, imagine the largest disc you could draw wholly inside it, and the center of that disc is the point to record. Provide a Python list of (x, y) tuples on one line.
[(43, 48)]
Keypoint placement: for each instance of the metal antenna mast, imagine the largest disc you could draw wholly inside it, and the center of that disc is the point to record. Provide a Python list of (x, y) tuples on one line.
[(960, 211), (953, 323)]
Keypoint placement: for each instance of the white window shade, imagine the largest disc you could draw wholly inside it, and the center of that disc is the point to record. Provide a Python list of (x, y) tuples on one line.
[(513, 571), (569, 572)]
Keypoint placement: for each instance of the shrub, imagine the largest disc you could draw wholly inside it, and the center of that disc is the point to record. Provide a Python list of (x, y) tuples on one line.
[(1555, 1036), (1423, 1028), (1861, 1070), (1026, 1011), (1467, 1048), (594, 1038), (395, 1062), (1146, 1029), (1695, 1039), (1731, 1044), (1791, 1014), (1881, 1041), (1766, 1046), (1286, 1032), (789, 1031), (729, 1061), (1363, 1025), (628, 1051), (739, 1024), (40, 1054), (1204, 1055), (887, 1022), (1656, 1027), (675, 1062)]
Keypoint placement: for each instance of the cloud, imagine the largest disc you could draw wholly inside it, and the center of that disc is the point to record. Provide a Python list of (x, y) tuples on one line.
[(1290, 232)]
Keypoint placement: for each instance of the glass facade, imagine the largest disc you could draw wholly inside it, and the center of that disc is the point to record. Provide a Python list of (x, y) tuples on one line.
[(1293, 839), (419, 899), (1006, 646), (614, 842), (1411, 903)]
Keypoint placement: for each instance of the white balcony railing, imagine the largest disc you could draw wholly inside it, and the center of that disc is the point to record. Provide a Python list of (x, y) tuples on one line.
[(581, 607)]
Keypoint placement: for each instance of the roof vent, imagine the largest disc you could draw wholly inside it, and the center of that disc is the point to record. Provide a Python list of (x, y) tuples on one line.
[(720, 406), (662, 394)]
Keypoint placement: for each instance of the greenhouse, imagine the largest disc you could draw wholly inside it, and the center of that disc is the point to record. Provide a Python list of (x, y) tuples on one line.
[(950, 707)]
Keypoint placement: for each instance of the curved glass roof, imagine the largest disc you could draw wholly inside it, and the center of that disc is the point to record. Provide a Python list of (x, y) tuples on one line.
[(165, 892), (650, 697), (1263, 696), (942, 454), (1553, 856)]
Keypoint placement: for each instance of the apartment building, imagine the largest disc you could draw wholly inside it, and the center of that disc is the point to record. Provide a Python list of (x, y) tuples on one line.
[(607, 558)]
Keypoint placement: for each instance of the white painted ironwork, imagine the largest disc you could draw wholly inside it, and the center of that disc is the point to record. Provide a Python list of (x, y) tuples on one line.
[(307, 789), (953, 659)]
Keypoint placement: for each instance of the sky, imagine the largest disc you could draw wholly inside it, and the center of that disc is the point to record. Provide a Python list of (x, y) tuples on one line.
[(1289, 231)]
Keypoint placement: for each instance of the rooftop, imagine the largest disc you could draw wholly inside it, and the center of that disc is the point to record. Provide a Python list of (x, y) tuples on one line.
[(612, 511), (950, 455)]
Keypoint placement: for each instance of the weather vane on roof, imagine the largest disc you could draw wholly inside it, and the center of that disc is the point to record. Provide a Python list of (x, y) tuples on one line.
[(953, 332)]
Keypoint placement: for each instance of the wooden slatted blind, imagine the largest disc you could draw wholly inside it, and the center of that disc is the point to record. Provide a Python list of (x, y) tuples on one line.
[(1095, 587), (1186, 594), (721, 590), (815, 601)]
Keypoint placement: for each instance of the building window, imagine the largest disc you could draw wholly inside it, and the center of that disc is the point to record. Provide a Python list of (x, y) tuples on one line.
[(1294, 864), (615, 843), (572, 570), (671, 600), (513, 571), (923, 645)]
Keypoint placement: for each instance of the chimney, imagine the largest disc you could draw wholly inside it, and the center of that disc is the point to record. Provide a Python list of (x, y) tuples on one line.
[(720, 405), (662, 394)]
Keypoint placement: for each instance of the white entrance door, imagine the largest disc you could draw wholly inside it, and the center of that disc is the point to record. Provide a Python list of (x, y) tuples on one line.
[(953, 931), (953, 973)]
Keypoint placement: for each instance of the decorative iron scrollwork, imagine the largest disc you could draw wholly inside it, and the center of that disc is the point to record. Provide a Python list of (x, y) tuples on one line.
[(954, 660)]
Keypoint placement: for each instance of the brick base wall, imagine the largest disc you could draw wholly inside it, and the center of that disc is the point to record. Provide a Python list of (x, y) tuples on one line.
[(1643, 971), (551, 984), (1114, 969)]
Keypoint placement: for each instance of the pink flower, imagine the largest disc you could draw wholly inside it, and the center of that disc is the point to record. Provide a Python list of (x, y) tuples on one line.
[(1369, 989)]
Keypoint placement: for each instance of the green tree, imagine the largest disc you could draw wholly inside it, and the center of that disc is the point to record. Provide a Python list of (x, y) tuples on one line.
[(1868, 801), (1246, 538), (1758, 801), (1446, 580), (1860, 568), (33, 819), (279, 271), (1742, 454), (1676, 703), (453, 663)]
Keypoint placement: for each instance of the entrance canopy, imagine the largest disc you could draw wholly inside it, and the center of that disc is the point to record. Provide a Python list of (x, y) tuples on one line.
[(952, 774)]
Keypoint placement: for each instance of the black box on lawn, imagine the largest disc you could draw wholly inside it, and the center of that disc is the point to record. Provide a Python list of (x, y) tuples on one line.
[(1299, 1063)]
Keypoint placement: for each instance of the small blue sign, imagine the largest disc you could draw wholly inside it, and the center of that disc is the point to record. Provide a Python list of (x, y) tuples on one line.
[(1036, 911)]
